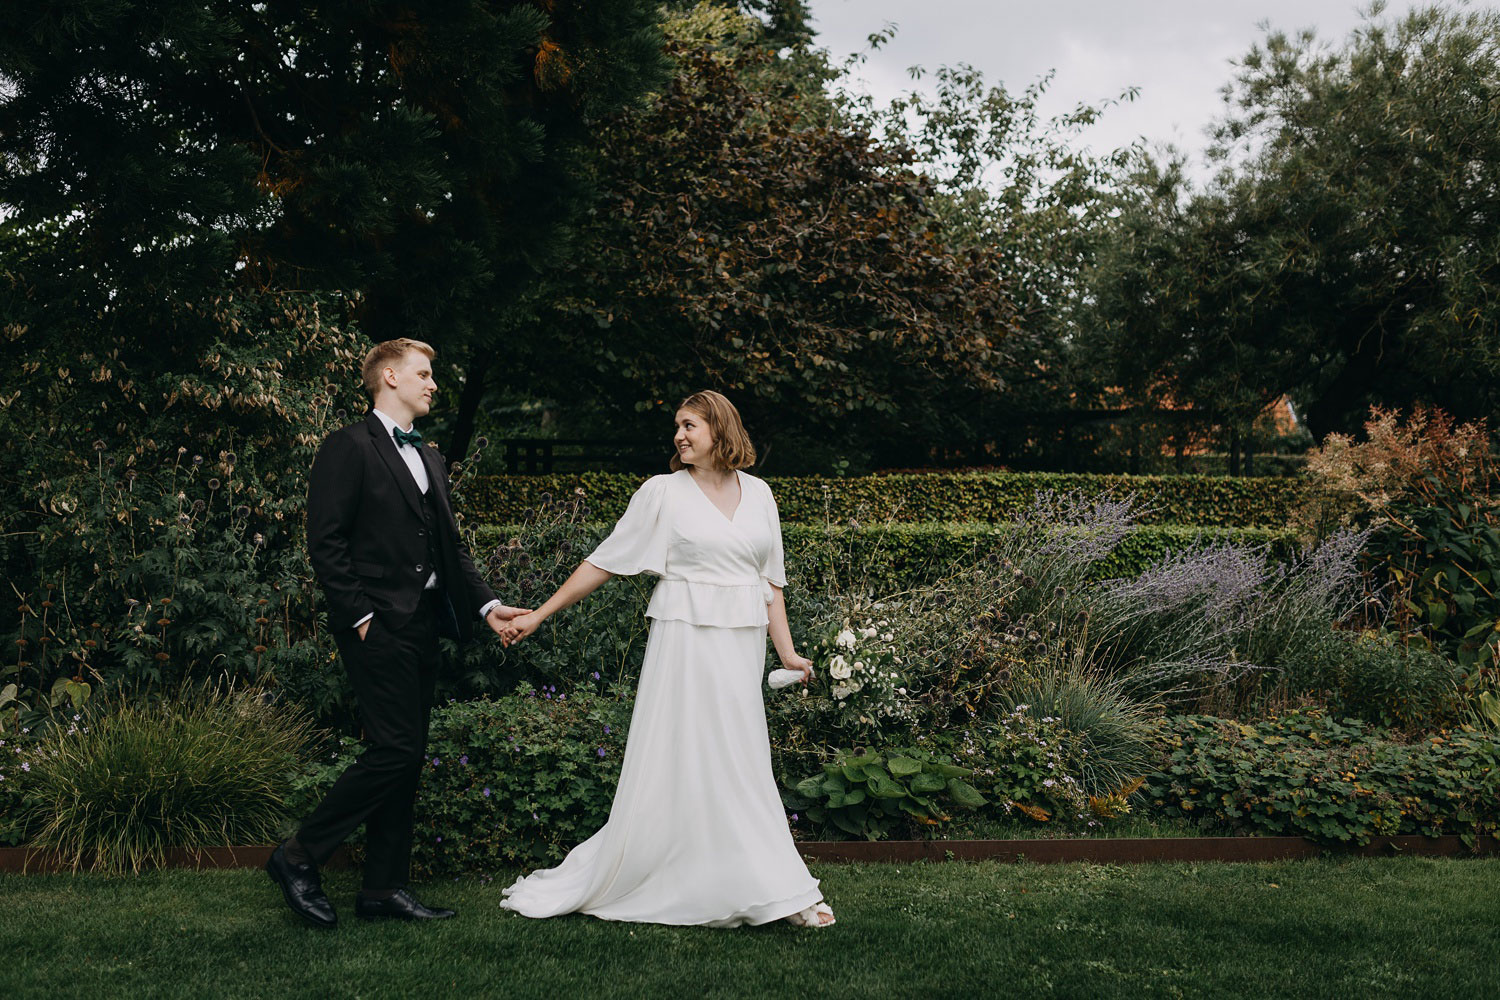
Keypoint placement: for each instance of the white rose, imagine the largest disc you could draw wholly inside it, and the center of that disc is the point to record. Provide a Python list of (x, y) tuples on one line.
[(839, 670), (845, 639), (837, 661), (840, 692)]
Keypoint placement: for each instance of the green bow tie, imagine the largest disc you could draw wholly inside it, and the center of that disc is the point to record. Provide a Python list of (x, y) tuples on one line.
[(412, 437)]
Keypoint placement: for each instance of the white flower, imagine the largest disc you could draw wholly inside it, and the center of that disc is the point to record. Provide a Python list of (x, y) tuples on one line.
[(841, 692), (838, 669), (845, 639), (837, 661), (859, 664), (901, 690), (868, 633), (888, 637)]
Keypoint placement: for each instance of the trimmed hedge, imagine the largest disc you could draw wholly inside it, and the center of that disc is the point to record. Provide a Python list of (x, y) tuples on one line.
[(892, 557), (990, 497)]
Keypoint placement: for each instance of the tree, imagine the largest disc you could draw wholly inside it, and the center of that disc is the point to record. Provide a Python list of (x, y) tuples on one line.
[(798, 268), (422, 156), (1349, 253)]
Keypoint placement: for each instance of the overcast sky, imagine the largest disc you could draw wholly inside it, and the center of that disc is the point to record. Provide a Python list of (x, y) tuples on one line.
[(1177, 51)]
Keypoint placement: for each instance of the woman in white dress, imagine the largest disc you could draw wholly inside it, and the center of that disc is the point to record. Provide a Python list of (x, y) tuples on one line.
[(697, 833)]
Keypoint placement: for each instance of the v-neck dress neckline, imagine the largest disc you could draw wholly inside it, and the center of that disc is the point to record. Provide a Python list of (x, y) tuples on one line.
[(738, 481)]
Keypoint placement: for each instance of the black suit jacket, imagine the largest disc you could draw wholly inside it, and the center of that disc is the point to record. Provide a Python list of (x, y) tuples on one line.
[(366, 535)]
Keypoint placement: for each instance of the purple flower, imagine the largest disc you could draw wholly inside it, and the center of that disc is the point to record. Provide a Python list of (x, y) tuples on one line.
[(601, 751), (486, 792), (595, 675), (464, 760), (436, 762), (606, 730), (547, 696), (440, 840), (794, 817)]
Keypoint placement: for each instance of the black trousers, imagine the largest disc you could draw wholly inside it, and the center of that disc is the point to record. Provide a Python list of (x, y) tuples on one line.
[(394, 673)]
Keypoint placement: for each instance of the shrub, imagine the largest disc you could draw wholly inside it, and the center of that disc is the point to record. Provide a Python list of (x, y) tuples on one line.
[(1383, 682), (1214, 501), (1428, 489), (517, 780), (116, 790), (1201, 626), (873, 795), (1335, 781), (153, 520)]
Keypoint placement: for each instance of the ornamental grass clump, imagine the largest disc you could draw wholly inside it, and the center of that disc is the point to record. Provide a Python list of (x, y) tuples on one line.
[(119, 788), (1110, 733)]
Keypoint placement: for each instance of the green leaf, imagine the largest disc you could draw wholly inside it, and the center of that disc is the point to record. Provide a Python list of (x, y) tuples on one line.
[(883, 787), (811, 788), (928, 782), (965, 794), (902, 766), (8, 695)]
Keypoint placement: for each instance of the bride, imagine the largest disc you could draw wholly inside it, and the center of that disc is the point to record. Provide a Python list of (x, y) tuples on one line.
[(697, 833)]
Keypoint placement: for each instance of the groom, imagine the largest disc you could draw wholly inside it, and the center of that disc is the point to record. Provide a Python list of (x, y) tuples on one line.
[(386, 549)]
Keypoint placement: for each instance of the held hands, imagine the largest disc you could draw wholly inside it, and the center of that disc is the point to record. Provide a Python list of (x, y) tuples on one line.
[(500, 619), (520, 627)]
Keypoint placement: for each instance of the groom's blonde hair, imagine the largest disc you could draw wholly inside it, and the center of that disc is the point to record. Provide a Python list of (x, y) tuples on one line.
[(732, 448), (386, 353)]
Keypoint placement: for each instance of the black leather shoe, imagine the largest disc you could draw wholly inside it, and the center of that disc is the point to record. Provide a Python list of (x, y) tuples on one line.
[(402, 906), (303, 890)]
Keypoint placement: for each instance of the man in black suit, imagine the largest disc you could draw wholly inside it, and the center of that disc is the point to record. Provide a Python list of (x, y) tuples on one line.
[(386, 549)]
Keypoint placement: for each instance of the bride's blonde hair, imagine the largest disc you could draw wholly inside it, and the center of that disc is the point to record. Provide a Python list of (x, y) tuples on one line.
[(732, 448)]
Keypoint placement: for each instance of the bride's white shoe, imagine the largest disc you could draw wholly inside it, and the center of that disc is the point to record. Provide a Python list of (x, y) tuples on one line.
[(817, 915)]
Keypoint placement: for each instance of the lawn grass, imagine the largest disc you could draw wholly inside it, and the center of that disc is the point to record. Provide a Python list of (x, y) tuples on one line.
[(1355, 927)]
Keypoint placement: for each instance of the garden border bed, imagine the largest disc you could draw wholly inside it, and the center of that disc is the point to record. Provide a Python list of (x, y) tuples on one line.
[(1098, 850)]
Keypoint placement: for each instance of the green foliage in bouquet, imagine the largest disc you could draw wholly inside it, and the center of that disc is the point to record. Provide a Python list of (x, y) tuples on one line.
[(875, 794)]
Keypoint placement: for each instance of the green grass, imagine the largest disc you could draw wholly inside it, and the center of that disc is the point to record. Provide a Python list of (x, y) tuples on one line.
[(1363, 928)]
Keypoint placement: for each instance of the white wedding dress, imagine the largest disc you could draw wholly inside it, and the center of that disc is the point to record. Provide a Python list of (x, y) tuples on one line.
[(697, 833)]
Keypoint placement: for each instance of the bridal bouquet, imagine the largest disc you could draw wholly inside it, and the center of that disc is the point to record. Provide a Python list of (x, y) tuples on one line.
[(858, 659)]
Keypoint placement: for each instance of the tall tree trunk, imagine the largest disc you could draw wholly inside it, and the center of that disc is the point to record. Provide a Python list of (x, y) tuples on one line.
[(476, 374)]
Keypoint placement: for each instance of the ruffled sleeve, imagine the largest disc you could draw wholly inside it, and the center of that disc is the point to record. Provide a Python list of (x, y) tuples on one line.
[(639, 542), (773, 567)]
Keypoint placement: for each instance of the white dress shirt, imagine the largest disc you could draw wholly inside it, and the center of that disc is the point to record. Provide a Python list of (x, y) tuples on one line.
[(413, 460)]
